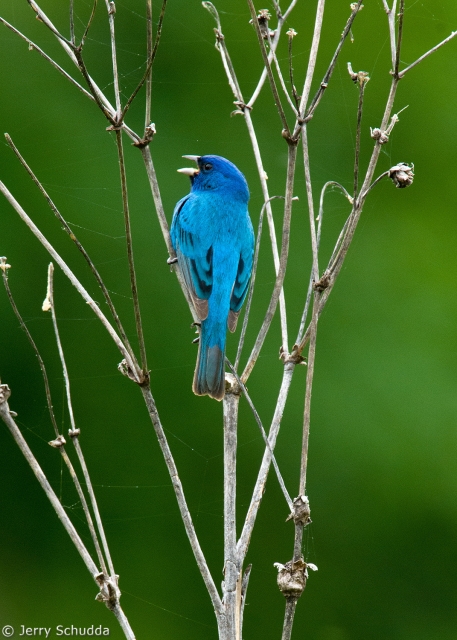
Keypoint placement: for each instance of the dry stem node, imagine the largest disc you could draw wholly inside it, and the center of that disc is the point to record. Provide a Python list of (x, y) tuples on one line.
[(74, 433), (263, 17), (109, 590), (3, 264), (323, 282), (360, 78), (292, 577), (57, 442), (402, 175), (294, 357), (149, 134), (301, 514), (232, 385), (5, 393)]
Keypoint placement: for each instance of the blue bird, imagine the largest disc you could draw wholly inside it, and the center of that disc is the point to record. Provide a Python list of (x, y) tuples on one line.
[(213, 238)]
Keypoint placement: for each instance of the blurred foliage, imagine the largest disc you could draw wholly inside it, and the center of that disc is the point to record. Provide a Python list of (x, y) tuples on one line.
[(382, 473)]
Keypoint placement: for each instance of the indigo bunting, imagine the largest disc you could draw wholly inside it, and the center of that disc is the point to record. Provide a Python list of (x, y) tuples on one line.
[(213, 238)]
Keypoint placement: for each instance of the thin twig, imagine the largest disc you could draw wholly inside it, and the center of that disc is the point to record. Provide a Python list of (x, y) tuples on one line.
[(157, 198), (264, 435), (428, 53), (362, 82), (325, 82), (128, 238), (74, 433), (5, 415), (401, 16), (58, 442), (252, 283), (41, 16), (109, 592), (271, 224), (291, 604), (274, 45), (375, 182), (292, 157), (311, 64), (181, 500), (150, 45), (77, 59), (78, 244), (320, 219), (72, 22), (309, 193), (149, 64), (132, 365), (35, 47), (291, 33), (231, 565), (391, 15), (309, 387), (266, 61), (259, 488), (88, 26), (293, 106), (24, 327), (111, 9)]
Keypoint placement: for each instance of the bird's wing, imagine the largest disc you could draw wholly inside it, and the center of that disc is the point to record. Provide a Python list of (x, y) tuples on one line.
[(194, 252), (243, 277)]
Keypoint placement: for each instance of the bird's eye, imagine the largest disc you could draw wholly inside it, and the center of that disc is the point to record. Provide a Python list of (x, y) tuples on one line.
[(207, 166)]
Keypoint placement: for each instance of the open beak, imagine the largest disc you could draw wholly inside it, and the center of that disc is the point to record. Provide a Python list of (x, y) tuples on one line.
[(190, 171)]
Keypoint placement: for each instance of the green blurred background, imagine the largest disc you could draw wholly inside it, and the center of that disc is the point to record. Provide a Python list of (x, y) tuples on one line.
[(382, 473)]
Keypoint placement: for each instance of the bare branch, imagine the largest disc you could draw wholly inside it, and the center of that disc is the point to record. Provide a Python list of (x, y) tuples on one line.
[(245, 537), (428, 53), (72, 22), (312, 58), (74, 434), (182, 504), (80, 247), (266, 61), (5, 415), (129, 243), (43, 18), (132, 365), (401, 15), (150, 46), (252, 283), (147, 73), (35, 47), (88, 26), (309, 193), (231, 565), (111, 9), (324, 84), (282, 263), (264, 435)]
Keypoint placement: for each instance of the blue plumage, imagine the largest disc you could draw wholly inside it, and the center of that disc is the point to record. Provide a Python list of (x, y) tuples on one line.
[(213, 238)]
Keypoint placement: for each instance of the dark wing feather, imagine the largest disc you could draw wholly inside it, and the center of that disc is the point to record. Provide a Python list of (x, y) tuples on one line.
[(242, 280), (194, 257)]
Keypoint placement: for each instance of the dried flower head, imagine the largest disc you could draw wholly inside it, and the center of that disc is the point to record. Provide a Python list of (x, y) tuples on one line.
[(291, 33), (402, 175), (3, 264), (264, 14), (381, 136)]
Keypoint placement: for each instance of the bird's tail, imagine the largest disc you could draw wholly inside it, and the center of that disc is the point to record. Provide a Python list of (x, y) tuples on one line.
[(209, 376)]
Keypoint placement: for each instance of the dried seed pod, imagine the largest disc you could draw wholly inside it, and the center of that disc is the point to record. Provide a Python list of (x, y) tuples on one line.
[(292, 577), (402, 175)]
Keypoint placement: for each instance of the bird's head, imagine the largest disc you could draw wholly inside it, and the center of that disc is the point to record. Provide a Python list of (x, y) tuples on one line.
[(214, 173)]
